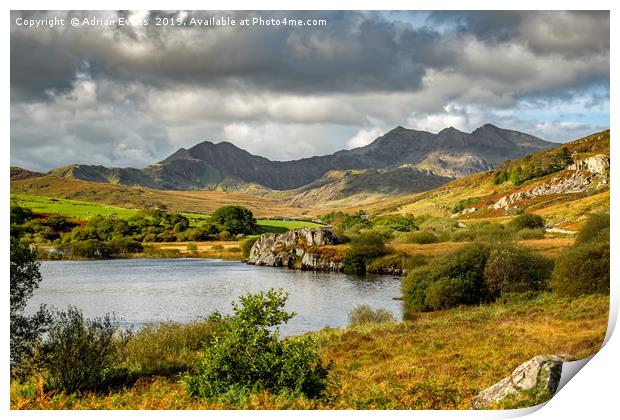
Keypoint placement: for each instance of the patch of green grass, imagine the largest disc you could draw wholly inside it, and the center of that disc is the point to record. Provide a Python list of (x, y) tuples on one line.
[(84, 210), (79, 210)]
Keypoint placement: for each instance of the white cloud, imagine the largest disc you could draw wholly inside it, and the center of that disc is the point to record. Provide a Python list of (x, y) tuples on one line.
[(364, 137)]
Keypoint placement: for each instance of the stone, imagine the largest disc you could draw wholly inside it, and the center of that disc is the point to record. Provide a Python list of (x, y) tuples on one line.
[(541, 374), (295, 249)]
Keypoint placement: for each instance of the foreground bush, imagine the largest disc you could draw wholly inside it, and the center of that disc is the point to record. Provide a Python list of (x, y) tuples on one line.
[(364, 314), (596, 229), (585, 267), (78, 352), (512, 269), (456, 279), (249, 356)]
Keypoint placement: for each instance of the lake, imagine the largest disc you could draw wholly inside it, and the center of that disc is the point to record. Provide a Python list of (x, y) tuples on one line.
[(141, 291)]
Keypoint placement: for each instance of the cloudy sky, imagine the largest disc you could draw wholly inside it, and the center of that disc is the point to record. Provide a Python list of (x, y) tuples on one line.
[(131, 95)]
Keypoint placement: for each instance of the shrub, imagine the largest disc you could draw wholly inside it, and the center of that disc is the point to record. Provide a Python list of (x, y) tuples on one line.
[(90, 248), (420, 237), (354, 263), (397, 222), (364, 314), (120, 245), (246, 246), (363, 247), (512, 269), (224, 235), (528, 221), (596, 228), (78, 353), (248, 355), (531, 233), (582, 269), (460, 276)]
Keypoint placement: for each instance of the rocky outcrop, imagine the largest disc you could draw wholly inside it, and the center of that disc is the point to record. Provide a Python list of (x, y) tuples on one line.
[(585, 174), (538, 376), (299, 249)]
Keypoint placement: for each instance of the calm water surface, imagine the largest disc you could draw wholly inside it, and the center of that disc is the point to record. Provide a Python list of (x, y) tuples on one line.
[(140, 291)]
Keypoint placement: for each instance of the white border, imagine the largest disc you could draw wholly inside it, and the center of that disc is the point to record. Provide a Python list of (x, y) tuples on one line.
[(591, 394)]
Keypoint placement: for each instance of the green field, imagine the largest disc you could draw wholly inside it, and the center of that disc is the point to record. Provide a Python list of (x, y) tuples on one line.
[(79, 210), (84, 210)]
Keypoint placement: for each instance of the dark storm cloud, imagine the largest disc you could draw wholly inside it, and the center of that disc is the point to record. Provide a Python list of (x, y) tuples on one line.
[(130, 95)]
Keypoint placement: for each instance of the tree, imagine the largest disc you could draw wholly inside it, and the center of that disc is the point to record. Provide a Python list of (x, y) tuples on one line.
[(26, 331), (234, 219)]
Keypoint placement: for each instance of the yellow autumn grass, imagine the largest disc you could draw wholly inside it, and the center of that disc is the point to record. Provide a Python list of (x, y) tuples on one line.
[(439, 360)]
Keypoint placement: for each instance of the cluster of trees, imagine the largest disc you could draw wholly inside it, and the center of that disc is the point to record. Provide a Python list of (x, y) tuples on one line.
[(534, 167), (481, 272), (107, 236)]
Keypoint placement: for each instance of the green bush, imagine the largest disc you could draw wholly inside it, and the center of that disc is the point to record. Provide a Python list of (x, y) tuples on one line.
[(249, 355), (528, 221), (234, 220), (364, 247), (246, 246), (582, 269), (531, 233), (460, 278), (596, 228), (512, 269), (91, 248), (364, 314), (420, 237), (78, 353), (397, 222)]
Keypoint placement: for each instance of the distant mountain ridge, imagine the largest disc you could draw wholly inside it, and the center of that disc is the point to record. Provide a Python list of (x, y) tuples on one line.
[(223, 166)]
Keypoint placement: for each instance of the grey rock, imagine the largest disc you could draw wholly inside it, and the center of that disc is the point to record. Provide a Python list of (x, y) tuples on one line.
[(295, 249), (539, 374)]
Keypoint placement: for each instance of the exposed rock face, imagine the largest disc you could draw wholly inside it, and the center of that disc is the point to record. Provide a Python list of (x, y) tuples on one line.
[(538, 375), (578, 177), (295, 249), (597, 165)]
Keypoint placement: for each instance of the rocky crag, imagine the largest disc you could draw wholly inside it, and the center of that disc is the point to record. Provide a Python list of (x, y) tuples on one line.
[(298, 249)]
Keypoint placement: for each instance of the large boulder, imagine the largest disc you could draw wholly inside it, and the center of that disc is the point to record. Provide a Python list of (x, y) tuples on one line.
[(297, 248), (538, 376)]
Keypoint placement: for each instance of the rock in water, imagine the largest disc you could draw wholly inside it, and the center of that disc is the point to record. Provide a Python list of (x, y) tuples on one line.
[(541, 374), (299, 248)]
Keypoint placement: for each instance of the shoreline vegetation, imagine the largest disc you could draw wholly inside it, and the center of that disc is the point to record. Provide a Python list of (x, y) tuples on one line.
[(439, 360)]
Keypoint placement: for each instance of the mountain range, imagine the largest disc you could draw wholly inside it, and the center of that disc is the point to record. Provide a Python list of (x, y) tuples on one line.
[(402, 160)]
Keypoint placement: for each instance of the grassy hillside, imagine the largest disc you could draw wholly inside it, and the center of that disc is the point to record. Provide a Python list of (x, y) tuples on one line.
[(141, 198), (440, 360), (473, 195)]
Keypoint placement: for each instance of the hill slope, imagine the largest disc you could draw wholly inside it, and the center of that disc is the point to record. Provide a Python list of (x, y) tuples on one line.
[(210, 166), (561, 185)]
